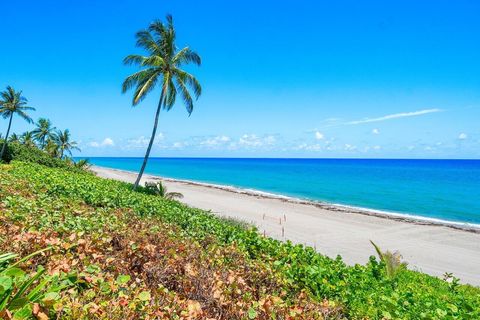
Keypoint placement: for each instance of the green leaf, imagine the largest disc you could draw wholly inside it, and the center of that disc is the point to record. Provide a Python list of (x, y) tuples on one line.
[(24, 313), (123, 279), (51, 297), (252, 314), (144, 296), (5, 283), (15, 272)]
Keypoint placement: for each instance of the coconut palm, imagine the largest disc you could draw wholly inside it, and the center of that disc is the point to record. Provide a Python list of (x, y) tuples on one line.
[(14, 138), (27, 139), (65, 145), (162, 66), (12, 102), (159, 189), (43, 132), (51, 147)]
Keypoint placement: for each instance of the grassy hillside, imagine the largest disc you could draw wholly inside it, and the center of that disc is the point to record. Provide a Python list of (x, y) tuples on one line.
[(114, 253)]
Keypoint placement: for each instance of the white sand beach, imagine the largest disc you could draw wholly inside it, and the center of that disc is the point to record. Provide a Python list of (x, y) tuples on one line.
[(426, 246)]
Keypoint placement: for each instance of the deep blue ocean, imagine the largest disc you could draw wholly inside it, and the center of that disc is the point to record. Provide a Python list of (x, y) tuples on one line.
[(439, 189)]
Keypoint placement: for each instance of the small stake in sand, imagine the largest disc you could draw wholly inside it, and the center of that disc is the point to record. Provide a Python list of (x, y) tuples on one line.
[(283, 232), (284, 217)]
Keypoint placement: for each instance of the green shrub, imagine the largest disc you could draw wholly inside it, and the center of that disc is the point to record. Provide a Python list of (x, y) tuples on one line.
[(20, 152), (365, 291)]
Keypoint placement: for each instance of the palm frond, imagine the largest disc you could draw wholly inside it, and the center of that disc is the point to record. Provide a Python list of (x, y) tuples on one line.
[(145, 40), (144, 86), (134, 59), (187, 99), (186, 56)]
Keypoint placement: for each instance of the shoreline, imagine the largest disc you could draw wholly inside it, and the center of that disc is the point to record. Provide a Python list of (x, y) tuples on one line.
[(428, 246), (396, 216)]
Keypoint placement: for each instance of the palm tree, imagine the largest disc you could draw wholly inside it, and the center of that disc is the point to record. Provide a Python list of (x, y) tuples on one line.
[(27, 139), (43, 132), (51, 147), (65, 145), (160, 189), (14, 138), (162, 65), (12, 102)]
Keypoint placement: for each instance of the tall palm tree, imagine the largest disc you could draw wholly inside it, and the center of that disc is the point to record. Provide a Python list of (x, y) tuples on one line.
[(162, 66), (65, 145), (27, 139), (43, 132), (12, 102)]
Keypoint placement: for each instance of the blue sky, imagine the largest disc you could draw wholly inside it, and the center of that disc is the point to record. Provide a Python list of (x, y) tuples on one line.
[(376, 79)]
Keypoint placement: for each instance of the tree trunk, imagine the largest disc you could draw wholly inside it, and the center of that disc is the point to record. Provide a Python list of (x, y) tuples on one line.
[(4, 146), (152, 138)]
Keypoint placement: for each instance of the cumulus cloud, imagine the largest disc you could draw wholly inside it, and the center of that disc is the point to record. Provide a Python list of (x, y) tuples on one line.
[(215, 141), (462, 136), (142, 141), (252, 140), (107, 142), (319, 135), (394, 116)]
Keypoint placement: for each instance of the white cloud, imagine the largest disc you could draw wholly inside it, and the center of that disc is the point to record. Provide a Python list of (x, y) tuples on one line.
[(309, 147), (462, 136), (142, 141), (107, 142), (319, 135), (215, 141), (349, 147), (376, 131), (394, 116)]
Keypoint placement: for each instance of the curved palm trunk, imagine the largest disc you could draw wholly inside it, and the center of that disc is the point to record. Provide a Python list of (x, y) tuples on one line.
[(4, 146), (152, 138)]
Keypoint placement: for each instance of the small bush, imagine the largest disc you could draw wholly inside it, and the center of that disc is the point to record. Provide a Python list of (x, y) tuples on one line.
[(25, 153)]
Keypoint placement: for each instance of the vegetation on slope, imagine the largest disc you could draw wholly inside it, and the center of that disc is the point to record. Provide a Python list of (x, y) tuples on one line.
[(131, 254)]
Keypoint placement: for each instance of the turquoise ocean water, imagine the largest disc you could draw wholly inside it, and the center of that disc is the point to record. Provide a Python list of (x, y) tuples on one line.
[(438, 189)]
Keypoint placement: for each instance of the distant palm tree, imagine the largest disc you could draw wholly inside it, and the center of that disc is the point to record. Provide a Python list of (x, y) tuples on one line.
[(12, 102), (51, 147), (14, 138), (43, 132), (27, 139), (161, 65), (65, 145)]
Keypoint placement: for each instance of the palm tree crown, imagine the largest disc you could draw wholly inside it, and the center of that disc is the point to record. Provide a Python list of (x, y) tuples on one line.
[(12, 102), (27, 139), (14, 138), (65, 145), (162, 65), (43, 132)]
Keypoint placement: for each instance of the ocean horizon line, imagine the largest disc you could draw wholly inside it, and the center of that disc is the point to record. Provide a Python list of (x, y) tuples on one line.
[(279, 158)]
